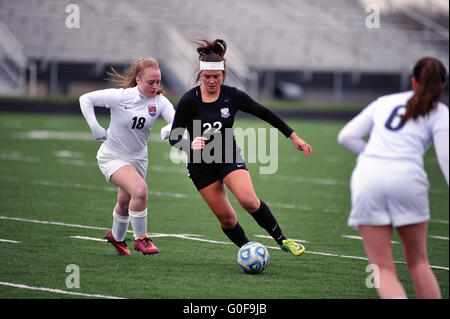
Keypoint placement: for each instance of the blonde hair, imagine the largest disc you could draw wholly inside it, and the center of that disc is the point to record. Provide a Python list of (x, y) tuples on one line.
[(128, 78)]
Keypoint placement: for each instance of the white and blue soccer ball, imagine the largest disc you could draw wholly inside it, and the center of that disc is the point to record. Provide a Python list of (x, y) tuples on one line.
[(253, 257)]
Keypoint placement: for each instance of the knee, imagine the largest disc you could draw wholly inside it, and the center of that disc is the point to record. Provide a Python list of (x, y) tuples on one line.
[(228, 222), (251, 205), (122, 204), (141, 192), (418, 266)]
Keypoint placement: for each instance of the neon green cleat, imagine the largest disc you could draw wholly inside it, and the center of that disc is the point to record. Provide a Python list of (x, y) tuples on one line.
[(292, 247)]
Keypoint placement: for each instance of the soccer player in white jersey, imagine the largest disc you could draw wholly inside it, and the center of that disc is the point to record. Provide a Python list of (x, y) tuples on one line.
[(389, 187), (123, 156)]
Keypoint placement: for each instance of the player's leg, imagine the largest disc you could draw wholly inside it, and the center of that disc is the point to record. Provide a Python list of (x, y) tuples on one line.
[(116, 235), (240, 184), (120, 215), (215, 196), (414, 239), (128, 179), (377, 244), (123, 202)]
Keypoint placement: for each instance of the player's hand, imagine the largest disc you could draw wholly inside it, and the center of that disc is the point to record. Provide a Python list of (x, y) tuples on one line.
[(165, 131), (301, 145), (99, 132), (198, 143)]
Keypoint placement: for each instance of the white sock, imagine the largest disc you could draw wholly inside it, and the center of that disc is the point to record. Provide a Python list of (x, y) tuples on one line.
[(139, 223), (120, 226)]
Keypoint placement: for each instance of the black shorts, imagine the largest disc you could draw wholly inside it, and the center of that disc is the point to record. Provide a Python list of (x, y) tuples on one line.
[(203, 175)]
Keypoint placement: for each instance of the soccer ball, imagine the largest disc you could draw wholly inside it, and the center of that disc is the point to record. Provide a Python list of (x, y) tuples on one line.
[(253, 257)]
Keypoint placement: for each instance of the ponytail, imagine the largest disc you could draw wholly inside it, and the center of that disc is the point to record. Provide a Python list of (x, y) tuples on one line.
[(430, 74)]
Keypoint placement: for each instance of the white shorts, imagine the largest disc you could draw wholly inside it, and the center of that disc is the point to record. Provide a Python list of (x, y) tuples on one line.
[(388, 192), (110, 161)]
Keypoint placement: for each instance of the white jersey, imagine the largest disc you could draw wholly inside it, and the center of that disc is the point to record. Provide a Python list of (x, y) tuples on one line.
[(389, 185), (389, 136), (132, 117)]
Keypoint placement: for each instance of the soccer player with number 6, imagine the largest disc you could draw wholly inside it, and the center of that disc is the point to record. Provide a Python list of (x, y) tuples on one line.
[(389, 186), (123, 156)]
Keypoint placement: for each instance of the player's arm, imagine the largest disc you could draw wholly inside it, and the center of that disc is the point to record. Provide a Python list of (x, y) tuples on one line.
[(248, 105), (352, 134), (168, 114), (179, 125), (440, 131), (87, 102), (441, 140)]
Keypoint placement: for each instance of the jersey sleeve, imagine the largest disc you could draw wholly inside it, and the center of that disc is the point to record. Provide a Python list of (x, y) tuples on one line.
[(168, 112), (87, 103), (440, 131), (94, 98), (441, 119), (441, 142), (112, 97), (246, 104), (352, 134), (180, 123)]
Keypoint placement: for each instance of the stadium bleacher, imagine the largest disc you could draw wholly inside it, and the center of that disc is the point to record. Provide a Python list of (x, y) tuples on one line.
[(289, 35)]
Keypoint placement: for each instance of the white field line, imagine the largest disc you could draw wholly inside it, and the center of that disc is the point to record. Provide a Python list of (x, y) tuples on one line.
[(155, 193), (326, 181), (360, 238), (270, 237), (439, 221), (191, 237), (86, 187), (87, 136), (182, 236), (58, 291), (10, 241), (68, 136), (438, 237), (269, 247), (167, 194), (88, 238), (392, 241), (67, 154), (18, 157), (159, 168), (50, 223)]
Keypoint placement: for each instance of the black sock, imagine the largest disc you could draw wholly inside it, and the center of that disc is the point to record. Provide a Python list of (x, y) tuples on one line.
[(266, 220), (236, 235)]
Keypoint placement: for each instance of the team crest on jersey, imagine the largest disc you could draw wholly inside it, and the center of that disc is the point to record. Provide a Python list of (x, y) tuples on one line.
[(152, 110), (225, 112)]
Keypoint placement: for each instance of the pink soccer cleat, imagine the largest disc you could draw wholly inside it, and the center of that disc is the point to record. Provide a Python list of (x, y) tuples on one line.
[(145, 246)]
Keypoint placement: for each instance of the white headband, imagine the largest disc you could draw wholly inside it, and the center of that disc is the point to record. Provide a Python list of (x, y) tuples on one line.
[(212, 66)]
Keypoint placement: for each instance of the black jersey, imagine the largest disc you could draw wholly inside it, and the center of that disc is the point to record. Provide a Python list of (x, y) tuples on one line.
[(215, 121)]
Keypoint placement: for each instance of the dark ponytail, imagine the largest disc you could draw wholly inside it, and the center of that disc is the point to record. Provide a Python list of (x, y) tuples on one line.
[(430, 74), (211, 51)]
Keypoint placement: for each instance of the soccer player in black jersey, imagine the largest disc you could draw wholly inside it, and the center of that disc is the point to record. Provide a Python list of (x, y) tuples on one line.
[(207, 112)]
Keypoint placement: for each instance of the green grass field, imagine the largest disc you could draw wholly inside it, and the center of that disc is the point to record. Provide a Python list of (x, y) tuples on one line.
[(55, 203)]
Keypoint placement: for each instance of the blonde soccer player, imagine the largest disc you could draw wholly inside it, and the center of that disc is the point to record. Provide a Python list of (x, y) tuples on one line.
[(123, 155), (389, 186)]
